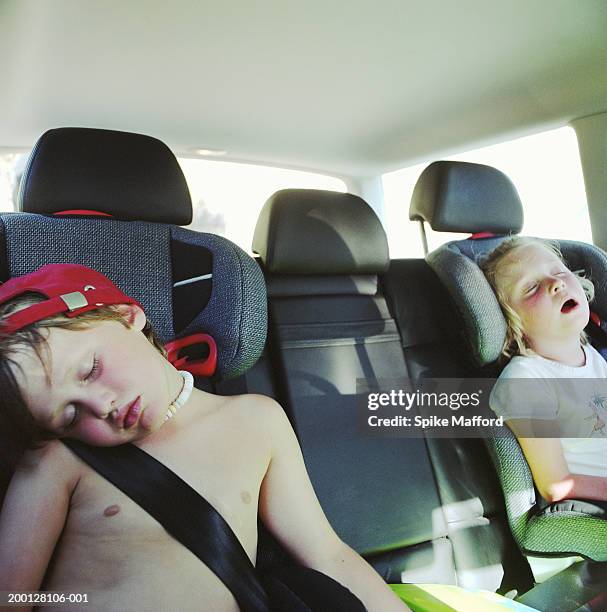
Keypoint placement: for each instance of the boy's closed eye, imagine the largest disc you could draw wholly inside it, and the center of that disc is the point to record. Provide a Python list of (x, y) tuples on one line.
[(71, 412), (93, 370), (70, 417)]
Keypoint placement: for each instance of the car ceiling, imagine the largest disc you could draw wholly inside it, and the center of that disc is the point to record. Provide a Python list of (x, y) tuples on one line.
[(354, 88)]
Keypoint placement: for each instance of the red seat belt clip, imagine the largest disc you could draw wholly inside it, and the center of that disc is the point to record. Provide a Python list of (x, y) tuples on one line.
[(480, 235), (197, 367)]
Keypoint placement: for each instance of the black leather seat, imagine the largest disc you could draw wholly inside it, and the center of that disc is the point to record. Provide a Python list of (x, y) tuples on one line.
[(419, 510)]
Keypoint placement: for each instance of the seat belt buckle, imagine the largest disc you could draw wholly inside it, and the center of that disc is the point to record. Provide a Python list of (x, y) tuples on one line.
[(198, 367)]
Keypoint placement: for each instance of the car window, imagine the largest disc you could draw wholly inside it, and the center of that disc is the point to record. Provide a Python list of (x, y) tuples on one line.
[(227, 197), (11, 168), (546, 170)]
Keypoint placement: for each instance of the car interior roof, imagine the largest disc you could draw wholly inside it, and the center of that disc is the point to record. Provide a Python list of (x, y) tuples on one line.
[(353, 89)]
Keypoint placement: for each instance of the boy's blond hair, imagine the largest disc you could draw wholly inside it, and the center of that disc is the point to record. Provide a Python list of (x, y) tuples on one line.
[(515, 342)]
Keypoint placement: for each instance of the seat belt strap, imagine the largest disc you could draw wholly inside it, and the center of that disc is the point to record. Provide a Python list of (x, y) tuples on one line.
[(183, 512)]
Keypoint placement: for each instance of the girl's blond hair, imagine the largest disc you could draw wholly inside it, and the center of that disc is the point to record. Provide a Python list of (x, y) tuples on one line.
[(515, 342)]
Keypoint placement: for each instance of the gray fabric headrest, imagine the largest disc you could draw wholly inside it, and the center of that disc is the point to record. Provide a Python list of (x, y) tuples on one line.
[(309, 231), (136, 255), (463, 197), (129, 176), (484, 325)]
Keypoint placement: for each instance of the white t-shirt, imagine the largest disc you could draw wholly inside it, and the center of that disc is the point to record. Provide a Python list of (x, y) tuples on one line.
[(573, 399)]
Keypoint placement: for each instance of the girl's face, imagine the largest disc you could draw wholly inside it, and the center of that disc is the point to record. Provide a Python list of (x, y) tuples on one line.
[(545, 294), (104, 385)]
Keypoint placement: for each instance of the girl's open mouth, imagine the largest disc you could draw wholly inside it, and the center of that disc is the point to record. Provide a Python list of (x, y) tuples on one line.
[(568, 306)]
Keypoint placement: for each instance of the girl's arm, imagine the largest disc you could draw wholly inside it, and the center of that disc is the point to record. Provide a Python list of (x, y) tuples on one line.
[(290, 509), (551, 474), (33, 514)]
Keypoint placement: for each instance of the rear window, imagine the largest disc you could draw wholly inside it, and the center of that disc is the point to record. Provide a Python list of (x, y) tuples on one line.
[(546, 170), (11, 168), (227, 197)]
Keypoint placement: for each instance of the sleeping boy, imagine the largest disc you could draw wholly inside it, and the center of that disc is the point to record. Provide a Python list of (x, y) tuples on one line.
[(91, 370)]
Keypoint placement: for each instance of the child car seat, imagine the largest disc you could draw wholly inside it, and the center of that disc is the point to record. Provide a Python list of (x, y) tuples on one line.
[(114, 201), (477, 199)]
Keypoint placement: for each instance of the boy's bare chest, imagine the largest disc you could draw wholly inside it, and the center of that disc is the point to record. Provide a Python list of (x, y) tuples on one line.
[(226, 470)]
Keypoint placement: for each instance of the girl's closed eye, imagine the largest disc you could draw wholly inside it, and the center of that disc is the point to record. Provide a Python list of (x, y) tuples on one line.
[(530, 289)]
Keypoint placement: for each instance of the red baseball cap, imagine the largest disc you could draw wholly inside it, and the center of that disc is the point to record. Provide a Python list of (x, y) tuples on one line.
[(70, 288)]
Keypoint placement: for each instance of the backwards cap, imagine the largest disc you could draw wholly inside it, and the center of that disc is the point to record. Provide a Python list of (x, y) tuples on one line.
[(70, 288)]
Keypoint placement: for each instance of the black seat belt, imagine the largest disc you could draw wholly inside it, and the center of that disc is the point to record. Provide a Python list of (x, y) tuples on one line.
[(183, 512)]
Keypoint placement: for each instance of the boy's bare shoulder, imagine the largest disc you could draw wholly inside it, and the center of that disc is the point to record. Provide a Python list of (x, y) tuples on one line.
[(252, 404), (247, 416), (256, 411), (51, 459)]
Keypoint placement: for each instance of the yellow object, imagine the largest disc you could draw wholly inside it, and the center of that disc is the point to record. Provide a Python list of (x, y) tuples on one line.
[(449, 598)]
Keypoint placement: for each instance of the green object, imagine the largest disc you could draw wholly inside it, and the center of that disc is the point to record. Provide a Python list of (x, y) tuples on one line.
[(450, 598), (563, 533)]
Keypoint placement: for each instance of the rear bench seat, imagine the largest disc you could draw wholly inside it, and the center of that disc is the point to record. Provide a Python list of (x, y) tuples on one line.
[(485, 554), (419, 510), (397, 501)]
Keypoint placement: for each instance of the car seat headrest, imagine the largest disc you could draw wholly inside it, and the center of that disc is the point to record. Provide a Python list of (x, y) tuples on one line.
[(463, 197), (129, 176), (483, 324), (309, 231)]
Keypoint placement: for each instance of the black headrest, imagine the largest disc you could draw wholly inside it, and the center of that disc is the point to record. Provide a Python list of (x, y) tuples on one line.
[(310, 231), (129, 176), (463, 197)]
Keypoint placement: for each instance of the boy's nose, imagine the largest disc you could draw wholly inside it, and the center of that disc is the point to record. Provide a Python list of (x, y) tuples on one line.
[(102, 405)]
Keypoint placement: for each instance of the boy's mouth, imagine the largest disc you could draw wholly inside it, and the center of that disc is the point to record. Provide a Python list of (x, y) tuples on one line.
[(568, 306), (133, 413)]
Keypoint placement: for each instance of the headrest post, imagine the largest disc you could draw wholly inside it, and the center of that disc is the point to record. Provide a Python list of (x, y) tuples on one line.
[(422, 231)]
